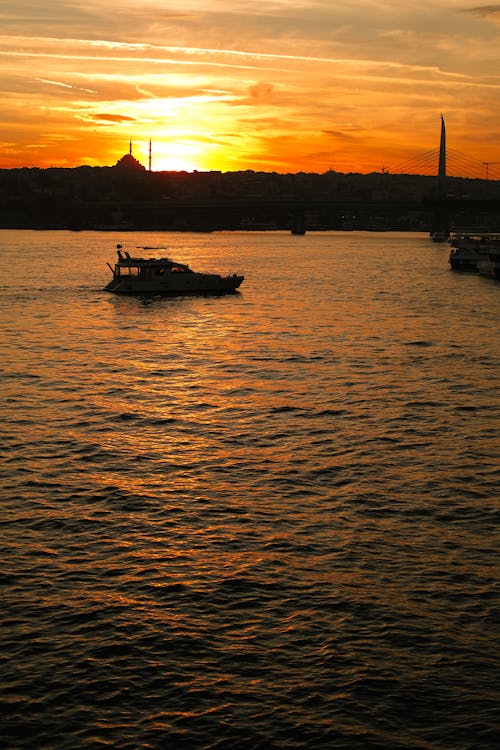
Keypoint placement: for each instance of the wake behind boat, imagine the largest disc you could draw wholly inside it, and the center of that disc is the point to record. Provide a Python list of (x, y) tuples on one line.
[(133, 275)]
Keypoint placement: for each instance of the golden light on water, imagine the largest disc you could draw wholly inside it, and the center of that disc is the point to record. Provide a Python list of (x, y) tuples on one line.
[(225, 519)]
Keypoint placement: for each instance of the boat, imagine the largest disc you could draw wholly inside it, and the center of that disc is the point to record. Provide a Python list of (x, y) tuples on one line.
[(470, 250), (439, 236), (465, 249), (464, 259), (476, 251), (489, 261), (137, 275)]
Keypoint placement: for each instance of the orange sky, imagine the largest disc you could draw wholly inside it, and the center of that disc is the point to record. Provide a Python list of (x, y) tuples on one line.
[(273, 85)]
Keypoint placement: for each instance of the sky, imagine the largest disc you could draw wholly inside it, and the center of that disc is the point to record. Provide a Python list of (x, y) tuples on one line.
[(268, 85)]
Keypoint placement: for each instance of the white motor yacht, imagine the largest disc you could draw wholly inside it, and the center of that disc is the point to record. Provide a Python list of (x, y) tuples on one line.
[(133, 275)]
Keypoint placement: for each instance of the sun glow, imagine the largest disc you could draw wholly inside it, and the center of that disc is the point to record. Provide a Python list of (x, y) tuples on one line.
[(176, 156), (174, 164), (301, 88)]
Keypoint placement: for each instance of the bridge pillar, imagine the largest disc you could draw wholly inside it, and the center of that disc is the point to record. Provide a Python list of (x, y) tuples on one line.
[(298, 221), (441, 219)]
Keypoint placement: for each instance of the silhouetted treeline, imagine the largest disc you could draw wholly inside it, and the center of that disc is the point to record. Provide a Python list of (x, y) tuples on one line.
[(127, 196)]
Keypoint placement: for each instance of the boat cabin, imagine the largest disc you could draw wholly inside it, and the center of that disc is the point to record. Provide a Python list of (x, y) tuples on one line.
[(146, 268)]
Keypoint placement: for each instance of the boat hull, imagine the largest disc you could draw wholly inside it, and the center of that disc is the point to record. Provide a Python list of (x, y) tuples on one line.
[(490, 267), (476, 252), (175, 284), (463, 260)]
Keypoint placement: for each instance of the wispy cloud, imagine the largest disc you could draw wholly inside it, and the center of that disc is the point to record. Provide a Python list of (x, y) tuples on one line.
[(251, 79), (66, 86), (484, 10), (111, 118)]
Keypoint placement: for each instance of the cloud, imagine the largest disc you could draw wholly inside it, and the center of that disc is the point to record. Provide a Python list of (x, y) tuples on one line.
[(364, 74), (111, 118), (66, 85), (484, 10), (261, 91), (338, 135), (259, 94), (54, 83), (488, 12)]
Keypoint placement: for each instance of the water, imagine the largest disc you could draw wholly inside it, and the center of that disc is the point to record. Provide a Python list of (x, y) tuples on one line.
[(267, 520)]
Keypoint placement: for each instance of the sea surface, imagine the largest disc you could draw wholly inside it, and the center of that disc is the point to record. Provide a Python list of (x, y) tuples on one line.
[(260, 521)]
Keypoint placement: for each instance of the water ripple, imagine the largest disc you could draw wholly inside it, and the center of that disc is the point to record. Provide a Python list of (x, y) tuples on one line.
[(264, 521)]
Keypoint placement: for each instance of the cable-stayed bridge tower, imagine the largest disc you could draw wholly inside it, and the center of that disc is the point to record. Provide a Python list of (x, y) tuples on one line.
[(441, 228), (441, 179)]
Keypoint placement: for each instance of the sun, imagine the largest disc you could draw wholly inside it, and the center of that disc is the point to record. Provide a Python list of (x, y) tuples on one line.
[(173, 164), (176, 156)]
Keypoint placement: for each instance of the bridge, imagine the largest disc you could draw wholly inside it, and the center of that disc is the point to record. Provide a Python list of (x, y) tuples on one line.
[(424, 193), (431, 212), (436, 208)]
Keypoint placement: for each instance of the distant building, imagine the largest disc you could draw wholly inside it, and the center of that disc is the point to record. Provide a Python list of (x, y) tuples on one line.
[(129, 162)]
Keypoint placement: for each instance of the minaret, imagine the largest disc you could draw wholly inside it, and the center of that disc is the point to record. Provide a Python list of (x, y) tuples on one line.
[(130, 147), (150, 154)]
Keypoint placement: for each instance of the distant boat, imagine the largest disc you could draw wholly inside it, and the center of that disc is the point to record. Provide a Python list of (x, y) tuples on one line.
[(476, 251), (465, 246), (132, 275), (489, 261), (439, 236)]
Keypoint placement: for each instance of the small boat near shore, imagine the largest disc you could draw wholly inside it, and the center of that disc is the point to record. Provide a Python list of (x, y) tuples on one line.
[(489, 261), (465, 247), (137, 275), (439, 236), (475, 251)]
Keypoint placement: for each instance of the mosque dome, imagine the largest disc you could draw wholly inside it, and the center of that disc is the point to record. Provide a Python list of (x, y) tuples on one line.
[(129, 162)]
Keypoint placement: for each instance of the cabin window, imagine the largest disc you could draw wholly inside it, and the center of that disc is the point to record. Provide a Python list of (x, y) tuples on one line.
[(130, 271)]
